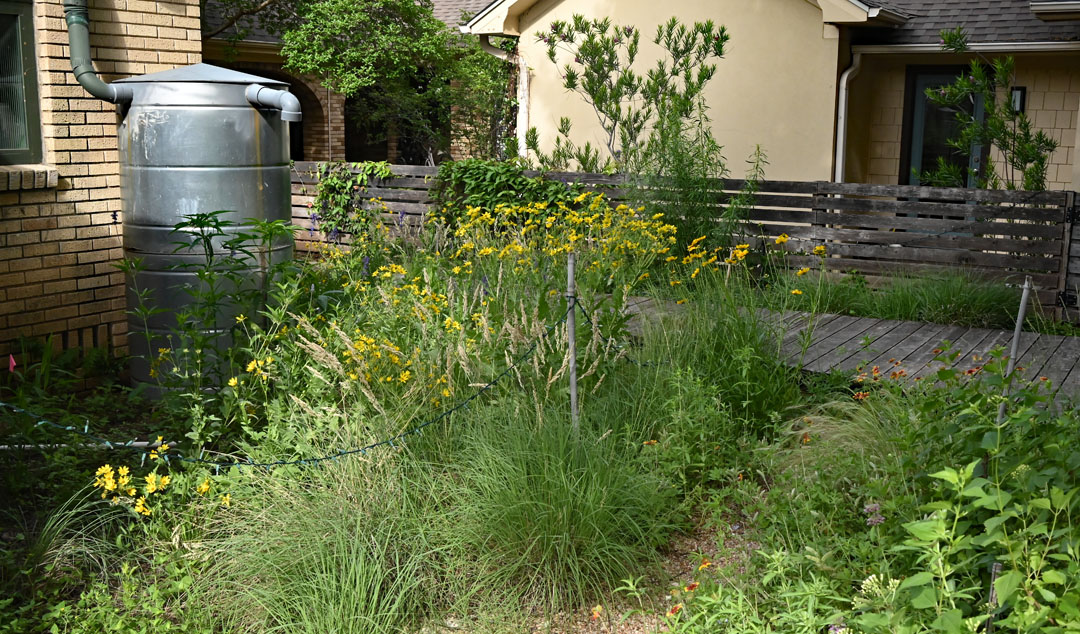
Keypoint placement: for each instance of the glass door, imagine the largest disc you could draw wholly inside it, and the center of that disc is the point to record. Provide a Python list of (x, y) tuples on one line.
[(933, 126)]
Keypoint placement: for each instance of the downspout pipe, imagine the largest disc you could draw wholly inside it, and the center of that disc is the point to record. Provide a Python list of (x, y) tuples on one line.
[(283, 100), (842, 116), (491, 49), (77, 17)]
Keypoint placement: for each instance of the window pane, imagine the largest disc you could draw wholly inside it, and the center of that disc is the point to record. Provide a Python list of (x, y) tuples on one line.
[(13, 131), (941, 126)]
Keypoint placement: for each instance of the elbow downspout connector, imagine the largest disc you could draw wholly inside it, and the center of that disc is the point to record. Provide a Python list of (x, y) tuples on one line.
[(491, 49), (77, 17), (282, 100)]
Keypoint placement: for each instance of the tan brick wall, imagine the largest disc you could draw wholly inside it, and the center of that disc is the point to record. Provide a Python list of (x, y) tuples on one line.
[(877, 110), (59, 241)]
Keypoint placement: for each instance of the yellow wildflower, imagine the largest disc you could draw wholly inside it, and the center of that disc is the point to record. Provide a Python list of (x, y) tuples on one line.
[(796, 291), (782, 238), (141, 507), (803, 271), (233, 382), (204, 487), (226, 500), (819, 249), (240, 318)]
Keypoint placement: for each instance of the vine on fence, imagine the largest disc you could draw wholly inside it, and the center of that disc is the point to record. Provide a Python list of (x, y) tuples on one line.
[(339, 206)]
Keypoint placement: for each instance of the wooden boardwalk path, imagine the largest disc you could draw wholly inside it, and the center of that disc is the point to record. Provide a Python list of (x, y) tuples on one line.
[(842, 343)]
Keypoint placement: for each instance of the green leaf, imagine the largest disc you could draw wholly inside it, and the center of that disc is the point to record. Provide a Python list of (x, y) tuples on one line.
[(1053, 576), (926, 530), (948, 474), (917, 579), (951, 621), (1006, 584), (924, 598)]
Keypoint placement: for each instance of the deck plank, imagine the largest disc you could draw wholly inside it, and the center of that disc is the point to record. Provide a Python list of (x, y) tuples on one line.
[(837, 343), (925, 336), (878, 347), (961, 348), (855, 346), (820, 336)]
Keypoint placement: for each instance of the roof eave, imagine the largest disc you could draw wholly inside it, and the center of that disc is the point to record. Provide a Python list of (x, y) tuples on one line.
[(498, 18), (979, 47), (884, 16)]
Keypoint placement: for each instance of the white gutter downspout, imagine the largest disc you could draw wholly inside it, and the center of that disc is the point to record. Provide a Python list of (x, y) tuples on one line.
[(523, 106), (841, 117)]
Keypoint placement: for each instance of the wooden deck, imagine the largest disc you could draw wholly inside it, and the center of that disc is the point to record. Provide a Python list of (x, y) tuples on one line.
[(842, 343)]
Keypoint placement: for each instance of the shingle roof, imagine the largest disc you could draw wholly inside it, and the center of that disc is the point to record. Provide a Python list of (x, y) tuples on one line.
[(448, 11), (983, 20)]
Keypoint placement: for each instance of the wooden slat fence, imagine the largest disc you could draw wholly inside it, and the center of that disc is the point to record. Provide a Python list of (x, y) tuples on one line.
[(869, 229)]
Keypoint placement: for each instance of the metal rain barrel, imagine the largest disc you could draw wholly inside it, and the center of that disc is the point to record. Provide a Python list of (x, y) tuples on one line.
[(191, 142)]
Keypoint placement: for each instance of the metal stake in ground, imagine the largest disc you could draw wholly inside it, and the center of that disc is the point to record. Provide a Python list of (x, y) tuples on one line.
[(1015, 347), (571, 335)]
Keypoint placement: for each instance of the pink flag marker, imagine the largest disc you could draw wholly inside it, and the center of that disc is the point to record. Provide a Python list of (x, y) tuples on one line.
[(11, 363)]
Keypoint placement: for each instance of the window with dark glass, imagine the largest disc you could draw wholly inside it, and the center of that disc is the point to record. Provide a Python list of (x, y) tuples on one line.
[(20, 128), (929, 128)]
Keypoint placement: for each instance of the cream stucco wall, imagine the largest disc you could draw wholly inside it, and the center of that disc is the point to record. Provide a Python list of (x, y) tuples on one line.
[(776, 86), (877, 112)]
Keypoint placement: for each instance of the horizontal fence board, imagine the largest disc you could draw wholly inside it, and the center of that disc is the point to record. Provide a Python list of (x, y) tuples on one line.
[(386, 193), (416, 209), (958, 194), (403, 182), (954, 257), (884, 267), (904, 207), (933, 225), (913, 239)]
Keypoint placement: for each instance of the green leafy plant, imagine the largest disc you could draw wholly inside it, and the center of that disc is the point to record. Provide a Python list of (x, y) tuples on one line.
[(1003, 128), (627, 103), (340, 207), (488, 184)]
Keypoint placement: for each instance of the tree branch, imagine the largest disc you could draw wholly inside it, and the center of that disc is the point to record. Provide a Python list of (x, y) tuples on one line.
[(236, 18)]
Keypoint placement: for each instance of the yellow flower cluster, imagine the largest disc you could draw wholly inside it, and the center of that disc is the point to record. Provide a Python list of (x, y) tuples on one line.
[(738, 254), (113, 481), (160, 450), (365, 356), (118, 482), (615, 234), (258, 367)]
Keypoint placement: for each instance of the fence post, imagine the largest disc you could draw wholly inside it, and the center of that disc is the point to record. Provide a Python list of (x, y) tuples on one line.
[(1015, 347), (818, 209), (571, 335), (1065, 299)]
